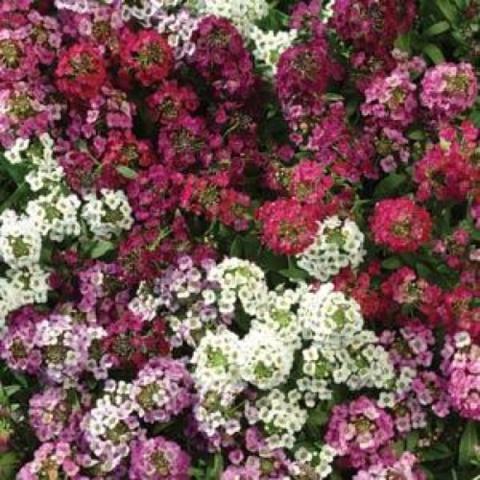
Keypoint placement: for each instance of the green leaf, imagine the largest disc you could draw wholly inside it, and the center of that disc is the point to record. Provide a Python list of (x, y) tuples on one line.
[(447, 9), (437, 29), (417, 135), (101, 248), (127, 172), (389, 185), (434, 53), (404, 42), (392, 263), (437, 452), (236, 247), (318, 416), (8, 465), (217, 469), (294, 273), (15, 197), (468, 444)]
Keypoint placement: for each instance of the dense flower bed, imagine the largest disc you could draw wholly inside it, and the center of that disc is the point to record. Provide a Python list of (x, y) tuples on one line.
[(239, 240)]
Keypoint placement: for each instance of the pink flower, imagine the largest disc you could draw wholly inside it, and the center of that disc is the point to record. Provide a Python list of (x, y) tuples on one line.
[(449, 89), (359, 430), (461, 367), (391, 100), (403, 468), (157, 458)]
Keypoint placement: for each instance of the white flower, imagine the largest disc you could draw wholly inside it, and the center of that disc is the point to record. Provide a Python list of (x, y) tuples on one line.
[(281, 416), (55, 215), (44, 177), (36, 152), (242, 13), (330, 315), (178, 28), (144, 304), (265, 360), (338, 244), (270, 45), (216, 362), (108, 215), (278, 315), (239, 279), (318, 460), (30, 285), (20, 240)]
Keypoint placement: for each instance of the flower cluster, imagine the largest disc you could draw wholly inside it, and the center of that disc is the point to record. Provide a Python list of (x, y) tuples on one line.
[(239, 239)]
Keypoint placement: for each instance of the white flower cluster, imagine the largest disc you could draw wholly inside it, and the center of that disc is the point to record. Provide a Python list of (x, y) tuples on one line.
[(242, 13), (144, 304), (55, 215), (324, 326), (20, 240), (314, 461), (265, 360), (22, 286), (338, 244), (242, 280), (37, 156), (281, 415), (108, 215), (269, 46), (359, 362), (218, 382), (24, 281), (278, 314), (327, 314), (178, 28), (110, 425), (216, 361)]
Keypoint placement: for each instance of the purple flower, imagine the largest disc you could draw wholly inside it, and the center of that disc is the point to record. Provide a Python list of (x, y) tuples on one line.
[(162, 390), (157, 459), (359, 430)]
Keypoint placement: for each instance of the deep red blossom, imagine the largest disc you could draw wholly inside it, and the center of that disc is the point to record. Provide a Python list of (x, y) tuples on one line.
[(288, 226), (148, 249), (131, 342), (459, 312), (200, 196), (154, 193), (400, 224), (235, 209), (80, 72), (187, 143), (171, 101), (373, 25), (145, 56), (409, 291), (222, 59), (309, 183), (360, 286), (303, 73), (123, 149)]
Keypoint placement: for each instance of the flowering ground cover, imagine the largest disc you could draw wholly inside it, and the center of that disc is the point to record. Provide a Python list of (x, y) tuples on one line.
[(239, 240)]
